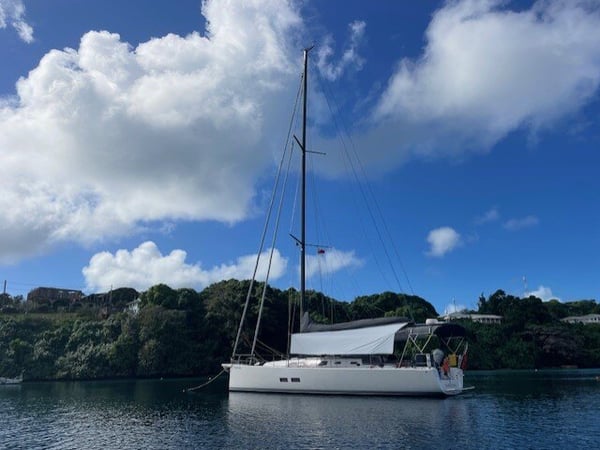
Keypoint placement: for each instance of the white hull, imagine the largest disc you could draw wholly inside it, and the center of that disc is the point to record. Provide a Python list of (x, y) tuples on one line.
[(365, 380)]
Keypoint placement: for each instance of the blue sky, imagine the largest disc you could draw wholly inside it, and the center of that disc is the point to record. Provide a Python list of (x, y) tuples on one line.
[(139, 141)]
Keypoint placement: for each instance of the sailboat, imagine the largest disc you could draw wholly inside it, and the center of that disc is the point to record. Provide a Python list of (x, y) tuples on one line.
[(384, 356)]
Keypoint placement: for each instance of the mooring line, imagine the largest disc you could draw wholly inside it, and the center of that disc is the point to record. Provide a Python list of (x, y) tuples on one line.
[(210, 380)]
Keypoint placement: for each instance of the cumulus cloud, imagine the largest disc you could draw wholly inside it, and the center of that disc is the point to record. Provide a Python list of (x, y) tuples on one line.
[(146, 266), (442, 240), (12, 12), (519, 223), (491, 215), (486, 71), (331, 261), (454, 308), (106, 138), (350, 57), (109, 137), (542, 292)]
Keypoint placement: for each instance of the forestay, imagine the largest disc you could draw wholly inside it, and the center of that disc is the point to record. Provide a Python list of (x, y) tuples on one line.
[(363, 341)]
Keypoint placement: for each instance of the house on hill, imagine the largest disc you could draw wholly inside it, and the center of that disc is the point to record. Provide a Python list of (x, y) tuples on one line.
[(587, 319), (479, 318), (49, 298), (53, 297)]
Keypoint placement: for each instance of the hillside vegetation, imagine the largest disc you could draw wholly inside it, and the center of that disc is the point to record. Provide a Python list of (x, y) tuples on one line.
[(181, 332)]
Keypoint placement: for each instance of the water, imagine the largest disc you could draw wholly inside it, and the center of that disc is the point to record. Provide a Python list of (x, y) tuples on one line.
[(545, 409)]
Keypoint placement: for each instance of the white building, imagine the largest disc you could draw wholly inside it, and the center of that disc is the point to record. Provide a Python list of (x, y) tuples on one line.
[(587, 319), (480, 318)]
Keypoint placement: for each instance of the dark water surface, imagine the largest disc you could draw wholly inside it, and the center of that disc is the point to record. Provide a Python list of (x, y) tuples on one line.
[(545, 409)]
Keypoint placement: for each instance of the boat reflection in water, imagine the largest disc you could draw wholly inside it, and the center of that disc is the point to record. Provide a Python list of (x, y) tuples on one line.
[(335, 421)]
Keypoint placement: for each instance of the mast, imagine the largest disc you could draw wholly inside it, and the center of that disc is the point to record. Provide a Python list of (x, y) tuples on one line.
[(303, 206)]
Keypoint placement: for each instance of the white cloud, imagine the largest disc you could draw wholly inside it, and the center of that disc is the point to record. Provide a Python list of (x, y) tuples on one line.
[(107, 138), (454, 308), (350, 56), (331, 261), (542, 292), (491, 215), (524, 222), (442, 240), (146, 266), (12, 12), (485, 72)]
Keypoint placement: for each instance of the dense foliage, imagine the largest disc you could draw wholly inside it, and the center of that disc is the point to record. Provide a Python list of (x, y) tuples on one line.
[(531, 334), (174, 332)]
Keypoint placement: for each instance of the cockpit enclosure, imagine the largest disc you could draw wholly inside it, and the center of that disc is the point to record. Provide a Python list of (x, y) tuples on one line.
[(390, 341), (430, 344)]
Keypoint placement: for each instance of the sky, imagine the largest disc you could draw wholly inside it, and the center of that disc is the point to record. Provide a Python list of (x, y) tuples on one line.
[(139, 142)]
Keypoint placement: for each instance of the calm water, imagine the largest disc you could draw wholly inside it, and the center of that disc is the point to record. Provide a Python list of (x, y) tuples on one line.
[(545, 409)]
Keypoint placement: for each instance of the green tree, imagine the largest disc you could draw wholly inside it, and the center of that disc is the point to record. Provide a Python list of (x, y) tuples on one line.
[(48, 347), (161, 331), (160, 295), (392, 304), (556, 309)]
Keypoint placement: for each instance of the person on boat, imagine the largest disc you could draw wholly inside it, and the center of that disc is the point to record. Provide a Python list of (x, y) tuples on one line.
[(446, 366), (438, 357)]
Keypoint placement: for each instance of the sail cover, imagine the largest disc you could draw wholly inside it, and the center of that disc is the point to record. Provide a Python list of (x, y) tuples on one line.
[(362, 341)]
